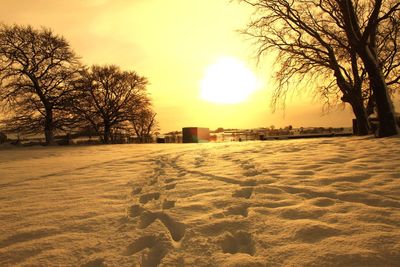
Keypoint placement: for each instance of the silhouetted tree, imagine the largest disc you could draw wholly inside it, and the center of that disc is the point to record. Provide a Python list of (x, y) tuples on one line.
[(363, 39), (35, 69), (107, 97), (388, 42), (144, 123), (312, 45)]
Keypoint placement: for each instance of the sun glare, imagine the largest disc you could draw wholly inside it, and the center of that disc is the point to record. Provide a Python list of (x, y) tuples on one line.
[(228, 81)]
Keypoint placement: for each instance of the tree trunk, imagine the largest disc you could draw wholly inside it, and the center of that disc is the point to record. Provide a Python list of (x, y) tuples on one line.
[(361, 118), (384, 106), (48, 127), (365, 49), (352, 95), (107, 133)]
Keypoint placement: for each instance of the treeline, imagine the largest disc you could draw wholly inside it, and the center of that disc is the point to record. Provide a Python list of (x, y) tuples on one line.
[(45, 89)]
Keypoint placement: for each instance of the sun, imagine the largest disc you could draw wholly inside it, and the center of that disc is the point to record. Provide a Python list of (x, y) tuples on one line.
[(228, 81)]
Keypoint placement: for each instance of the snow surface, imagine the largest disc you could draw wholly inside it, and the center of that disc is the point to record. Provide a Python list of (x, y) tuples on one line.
[(316, 202)]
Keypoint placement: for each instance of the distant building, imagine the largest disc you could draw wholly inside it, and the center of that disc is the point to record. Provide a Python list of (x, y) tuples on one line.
[(195, 135)]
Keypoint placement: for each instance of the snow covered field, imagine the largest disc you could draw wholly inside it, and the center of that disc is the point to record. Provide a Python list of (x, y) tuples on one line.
[(316, 202)]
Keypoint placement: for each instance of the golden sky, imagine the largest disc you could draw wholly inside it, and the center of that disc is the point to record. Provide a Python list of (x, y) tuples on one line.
[(172, 43)]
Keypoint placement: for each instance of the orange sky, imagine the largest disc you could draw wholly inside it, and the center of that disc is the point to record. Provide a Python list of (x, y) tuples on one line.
[(172, 43)]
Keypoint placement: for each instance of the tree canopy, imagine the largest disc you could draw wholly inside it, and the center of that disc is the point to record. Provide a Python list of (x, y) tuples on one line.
[(314, 48), (36, 67), (108, 97)]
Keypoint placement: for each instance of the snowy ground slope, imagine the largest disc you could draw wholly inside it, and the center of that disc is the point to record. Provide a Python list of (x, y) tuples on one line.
[(319, 202)]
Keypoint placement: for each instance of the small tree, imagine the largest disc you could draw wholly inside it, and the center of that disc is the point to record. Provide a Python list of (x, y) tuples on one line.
[(107, 96), (36, 67), (144, 123)]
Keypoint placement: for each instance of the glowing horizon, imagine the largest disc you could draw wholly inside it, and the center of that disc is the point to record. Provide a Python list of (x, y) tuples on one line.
[(174, 55), (228, 81)]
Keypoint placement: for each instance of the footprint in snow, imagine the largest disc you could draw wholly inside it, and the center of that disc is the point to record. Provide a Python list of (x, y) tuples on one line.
[(136, 190), (244, 192), (145, 198), (153, 181), (238, 210), (239, 242), (175, 228), (135, 211), (157, 249), (168, 204), (169, 180), (170, 186)]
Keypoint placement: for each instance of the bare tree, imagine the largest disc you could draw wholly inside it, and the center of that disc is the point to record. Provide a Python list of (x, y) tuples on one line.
[(107, 96), (35, 69), (313, 50), (388, 43), (363, 39), (144, 123)]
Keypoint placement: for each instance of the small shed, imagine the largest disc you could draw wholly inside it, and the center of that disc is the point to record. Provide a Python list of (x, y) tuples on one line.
[(195, 135)]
